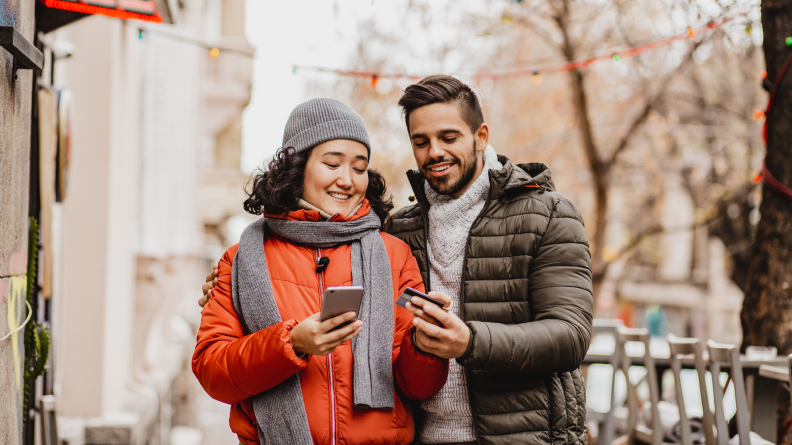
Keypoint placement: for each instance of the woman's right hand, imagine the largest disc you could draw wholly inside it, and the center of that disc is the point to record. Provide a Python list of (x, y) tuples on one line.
[(312, 337)]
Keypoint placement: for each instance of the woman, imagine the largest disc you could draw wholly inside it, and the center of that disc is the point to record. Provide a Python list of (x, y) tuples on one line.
[(290, 378)]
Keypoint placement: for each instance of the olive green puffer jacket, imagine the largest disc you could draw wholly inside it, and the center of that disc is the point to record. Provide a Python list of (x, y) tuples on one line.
[(527, 297)]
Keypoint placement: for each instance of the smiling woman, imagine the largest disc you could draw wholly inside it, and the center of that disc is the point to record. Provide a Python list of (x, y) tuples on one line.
[(336, 176), (322, 167), (289, 179), (263, 346)]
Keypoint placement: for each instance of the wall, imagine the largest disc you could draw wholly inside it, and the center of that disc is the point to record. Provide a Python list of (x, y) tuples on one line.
[(98, 262), (15, 106)]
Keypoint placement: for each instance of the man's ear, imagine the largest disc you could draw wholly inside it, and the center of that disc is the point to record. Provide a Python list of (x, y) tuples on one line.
[(482, 136)]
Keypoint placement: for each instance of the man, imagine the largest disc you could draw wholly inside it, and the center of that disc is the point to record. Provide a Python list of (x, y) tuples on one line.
[(511, 257)]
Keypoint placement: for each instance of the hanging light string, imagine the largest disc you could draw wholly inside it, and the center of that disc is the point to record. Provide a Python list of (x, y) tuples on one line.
[(765, 175), (616, 57), (214, 50)]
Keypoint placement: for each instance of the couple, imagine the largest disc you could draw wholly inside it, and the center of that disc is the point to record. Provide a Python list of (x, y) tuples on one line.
[(493, 241)]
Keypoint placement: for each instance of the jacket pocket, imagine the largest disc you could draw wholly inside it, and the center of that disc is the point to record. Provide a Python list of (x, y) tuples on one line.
[(557, 406)]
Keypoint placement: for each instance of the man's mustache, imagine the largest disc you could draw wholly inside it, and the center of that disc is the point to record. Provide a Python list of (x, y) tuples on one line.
[(429, 164)]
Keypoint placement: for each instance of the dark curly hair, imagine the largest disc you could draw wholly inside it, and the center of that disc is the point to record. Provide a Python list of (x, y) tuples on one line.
[(277, 189)]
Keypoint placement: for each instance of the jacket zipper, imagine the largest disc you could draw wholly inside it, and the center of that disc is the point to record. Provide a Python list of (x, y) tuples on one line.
[(465, 257), (329, 365), (425, 217), (462, 306), (417, 186)]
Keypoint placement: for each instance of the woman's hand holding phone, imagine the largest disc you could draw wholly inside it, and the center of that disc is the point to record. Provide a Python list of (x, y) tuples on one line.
[(313, 337)]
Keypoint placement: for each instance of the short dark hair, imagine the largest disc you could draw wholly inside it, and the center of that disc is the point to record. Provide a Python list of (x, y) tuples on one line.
[(442, 89), (277, 189)]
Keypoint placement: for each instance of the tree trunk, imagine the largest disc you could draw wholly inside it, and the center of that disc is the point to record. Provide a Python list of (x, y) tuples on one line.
[(599, 176), (767, 309)]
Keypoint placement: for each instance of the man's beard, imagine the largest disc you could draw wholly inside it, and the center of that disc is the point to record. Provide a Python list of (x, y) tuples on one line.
[(447, 185)]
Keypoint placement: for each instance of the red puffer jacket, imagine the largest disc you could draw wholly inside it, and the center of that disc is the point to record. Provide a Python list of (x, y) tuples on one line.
[(232, 367)]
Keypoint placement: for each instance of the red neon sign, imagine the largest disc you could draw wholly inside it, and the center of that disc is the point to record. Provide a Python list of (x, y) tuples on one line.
[(121, 9)]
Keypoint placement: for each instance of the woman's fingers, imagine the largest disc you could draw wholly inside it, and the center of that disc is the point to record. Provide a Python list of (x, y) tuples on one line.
[(351, 335), (340, 333), (347, 337), (328, 325)]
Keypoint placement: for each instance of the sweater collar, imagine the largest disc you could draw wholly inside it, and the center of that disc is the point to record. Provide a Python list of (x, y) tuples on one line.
[(510, 177), (477, 190)]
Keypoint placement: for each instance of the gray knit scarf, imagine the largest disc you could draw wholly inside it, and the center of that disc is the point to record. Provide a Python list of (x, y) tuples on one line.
[(280, 412)]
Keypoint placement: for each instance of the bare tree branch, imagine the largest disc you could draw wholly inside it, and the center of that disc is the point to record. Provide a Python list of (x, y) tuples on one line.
[(644, 114)]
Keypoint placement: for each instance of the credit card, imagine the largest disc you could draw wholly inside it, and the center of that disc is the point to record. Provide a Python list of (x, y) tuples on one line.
[(409, 293)]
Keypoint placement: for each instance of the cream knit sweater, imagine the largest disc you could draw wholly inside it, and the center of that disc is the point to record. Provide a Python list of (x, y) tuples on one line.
[(448, 415)]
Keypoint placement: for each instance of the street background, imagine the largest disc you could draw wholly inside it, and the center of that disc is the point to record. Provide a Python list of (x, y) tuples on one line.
[(131, 147)]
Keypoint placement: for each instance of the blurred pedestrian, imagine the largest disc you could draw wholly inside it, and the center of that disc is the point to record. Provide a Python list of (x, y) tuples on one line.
[(291, 378), (510, 255)]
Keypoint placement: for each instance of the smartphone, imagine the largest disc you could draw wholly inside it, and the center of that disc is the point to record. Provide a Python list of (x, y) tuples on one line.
[(340, 300), (410, 292)]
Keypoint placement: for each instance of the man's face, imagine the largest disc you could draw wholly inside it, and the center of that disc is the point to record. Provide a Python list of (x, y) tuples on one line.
[(446, 151)]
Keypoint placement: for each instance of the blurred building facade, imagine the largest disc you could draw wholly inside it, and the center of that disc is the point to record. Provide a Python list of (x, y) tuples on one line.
[(681, 283), (157, 128), (153, 177)]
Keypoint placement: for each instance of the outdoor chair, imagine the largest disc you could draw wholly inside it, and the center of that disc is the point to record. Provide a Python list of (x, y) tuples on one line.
[(606, 420), (729, 355), (637, 432), (681, 347)]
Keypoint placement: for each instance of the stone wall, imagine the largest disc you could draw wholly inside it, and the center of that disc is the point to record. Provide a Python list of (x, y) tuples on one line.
[(15, 105)]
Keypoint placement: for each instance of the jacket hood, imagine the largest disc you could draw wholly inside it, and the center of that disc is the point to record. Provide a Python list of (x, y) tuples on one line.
[(534, 174)]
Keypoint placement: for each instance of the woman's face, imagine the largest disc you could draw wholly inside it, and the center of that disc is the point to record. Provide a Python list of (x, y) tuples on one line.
[(336, 176)]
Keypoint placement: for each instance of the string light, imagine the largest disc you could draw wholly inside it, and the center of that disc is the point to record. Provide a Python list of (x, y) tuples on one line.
[(758, 114), (616, 58), (214, 51), (766, 176), (374, 82), (536, 78)]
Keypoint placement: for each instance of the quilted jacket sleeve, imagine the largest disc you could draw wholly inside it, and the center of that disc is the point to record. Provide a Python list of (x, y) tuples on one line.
[(230, 365), (560, 294)]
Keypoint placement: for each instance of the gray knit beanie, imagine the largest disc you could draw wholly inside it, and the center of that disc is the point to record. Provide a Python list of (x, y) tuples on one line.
[(321, 120)]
